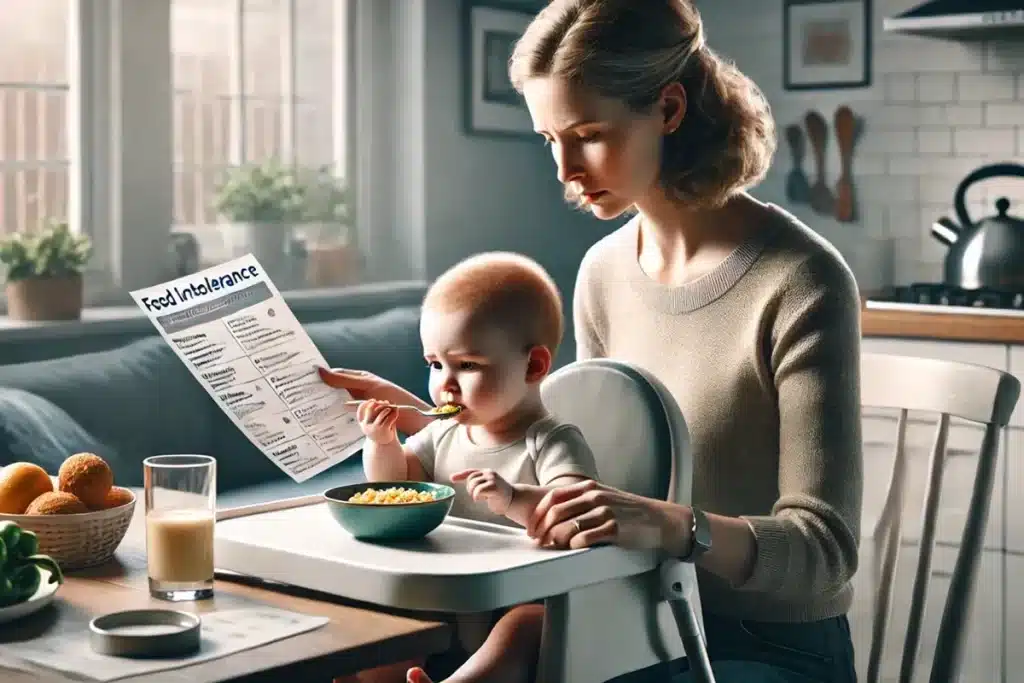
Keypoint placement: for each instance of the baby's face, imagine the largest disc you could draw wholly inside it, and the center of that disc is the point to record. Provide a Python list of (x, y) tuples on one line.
[(475, 367)]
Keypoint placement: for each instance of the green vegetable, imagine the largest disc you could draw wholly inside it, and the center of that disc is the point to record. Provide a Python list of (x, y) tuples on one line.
[(21, 565)]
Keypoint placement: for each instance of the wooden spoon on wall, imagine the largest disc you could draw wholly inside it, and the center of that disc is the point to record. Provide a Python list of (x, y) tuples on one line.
[(822, 200), (798, 188), (846, 132)]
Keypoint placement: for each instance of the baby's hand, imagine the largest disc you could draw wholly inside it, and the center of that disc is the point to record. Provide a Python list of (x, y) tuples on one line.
[(377, 420), (487, 486)]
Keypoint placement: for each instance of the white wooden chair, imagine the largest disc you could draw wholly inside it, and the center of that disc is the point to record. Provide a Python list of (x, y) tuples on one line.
[(948, 389), (641, 444)]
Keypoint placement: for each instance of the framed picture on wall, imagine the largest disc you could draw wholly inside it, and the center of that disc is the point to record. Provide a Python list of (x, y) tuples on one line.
[(826, 44), (492, 106)]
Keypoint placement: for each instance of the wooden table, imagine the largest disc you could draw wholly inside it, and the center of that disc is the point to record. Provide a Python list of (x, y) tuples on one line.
[(357, 637)]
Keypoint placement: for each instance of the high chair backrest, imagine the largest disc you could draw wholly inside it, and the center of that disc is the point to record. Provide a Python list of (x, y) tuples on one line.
[(641, 444), (631, 422), (944, 389)]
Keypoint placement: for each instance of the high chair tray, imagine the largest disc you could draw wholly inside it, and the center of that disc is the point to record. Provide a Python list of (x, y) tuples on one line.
[(462, 566)]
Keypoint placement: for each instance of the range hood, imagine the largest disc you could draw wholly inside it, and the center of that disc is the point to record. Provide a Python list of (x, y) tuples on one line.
[(961, 19)]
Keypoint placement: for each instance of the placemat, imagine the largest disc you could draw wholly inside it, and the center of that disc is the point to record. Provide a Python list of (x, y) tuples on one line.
[(65, 647)]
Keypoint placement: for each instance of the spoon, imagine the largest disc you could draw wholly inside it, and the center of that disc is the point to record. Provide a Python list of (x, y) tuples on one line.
[(441, 412)]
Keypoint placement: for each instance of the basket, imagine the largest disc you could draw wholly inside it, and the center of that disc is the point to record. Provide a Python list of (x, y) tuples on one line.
[(80, 540)]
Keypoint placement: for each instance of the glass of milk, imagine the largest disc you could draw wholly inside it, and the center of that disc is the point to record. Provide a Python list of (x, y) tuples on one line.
[(181, 503)]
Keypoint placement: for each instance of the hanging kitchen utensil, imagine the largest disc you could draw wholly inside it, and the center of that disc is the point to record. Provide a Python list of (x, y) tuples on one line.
[(822, 200), (989, 252), (798, 188), (846, 133)]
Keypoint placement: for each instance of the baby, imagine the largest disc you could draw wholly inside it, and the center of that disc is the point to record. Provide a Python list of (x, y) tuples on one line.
[(490, 327)]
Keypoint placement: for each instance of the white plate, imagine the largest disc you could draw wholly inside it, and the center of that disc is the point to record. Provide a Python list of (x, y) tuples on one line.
[(43, 597)]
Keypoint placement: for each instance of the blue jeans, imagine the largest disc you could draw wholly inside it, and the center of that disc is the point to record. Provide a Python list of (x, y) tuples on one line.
[(744, 651)]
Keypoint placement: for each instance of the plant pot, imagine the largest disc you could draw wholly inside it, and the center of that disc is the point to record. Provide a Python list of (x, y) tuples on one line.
[(332, 266), (265, 241), (45, 298)]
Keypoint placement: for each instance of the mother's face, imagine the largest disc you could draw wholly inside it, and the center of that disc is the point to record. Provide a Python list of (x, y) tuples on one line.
[(608, 156)]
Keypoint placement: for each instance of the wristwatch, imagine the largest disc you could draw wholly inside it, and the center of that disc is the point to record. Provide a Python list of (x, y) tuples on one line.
[(700, 535)]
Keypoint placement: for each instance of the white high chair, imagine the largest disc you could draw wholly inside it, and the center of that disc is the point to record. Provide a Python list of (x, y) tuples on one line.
[(641, 444), (610, 611)]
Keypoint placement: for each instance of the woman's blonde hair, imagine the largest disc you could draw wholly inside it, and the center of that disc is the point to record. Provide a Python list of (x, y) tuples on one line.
[(630, 50)]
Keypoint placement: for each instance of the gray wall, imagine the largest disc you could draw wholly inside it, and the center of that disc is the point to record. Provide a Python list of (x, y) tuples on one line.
[(935, 111)]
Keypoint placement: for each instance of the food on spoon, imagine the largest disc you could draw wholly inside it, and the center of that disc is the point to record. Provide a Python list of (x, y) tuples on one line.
[(21, 566), (391, 496), (88, 476), (20, 484), (448, 409), (56, 503), (116, 497)]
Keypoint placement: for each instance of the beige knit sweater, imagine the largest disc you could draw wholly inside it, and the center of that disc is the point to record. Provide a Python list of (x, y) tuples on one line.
[(762, 355)]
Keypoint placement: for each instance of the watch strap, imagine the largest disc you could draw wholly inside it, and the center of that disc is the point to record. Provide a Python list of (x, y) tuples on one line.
[(700, 535)]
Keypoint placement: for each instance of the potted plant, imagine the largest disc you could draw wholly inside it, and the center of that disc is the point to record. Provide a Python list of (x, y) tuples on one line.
[(43, 272), (332, 258), (260, 204)]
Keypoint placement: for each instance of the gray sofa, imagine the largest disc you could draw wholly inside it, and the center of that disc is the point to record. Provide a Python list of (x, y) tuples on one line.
[(139, 400)]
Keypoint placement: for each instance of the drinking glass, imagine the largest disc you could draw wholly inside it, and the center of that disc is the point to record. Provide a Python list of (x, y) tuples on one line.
[(181, 504)]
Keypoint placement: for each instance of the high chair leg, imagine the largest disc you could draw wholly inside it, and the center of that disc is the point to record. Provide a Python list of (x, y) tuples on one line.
[(679, 588)]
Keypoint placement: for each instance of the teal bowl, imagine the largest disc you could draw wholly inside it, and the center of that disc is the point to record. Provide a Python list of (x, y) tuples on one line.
[(389, 522)]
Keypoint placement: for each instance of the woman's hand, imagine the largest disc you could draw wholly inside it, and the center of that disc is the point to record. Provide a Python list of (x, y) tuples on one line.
[(587, 513), (359, 383), (362, 385)]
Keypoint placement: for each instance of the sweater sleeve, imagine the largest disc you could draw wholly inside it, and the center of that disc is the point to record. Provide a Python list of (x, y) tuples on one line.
[(809, 543)]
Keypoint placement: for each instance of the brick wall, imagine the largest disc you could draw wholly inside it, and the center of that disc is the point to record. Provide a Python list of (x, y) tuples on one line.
[(935, 111)]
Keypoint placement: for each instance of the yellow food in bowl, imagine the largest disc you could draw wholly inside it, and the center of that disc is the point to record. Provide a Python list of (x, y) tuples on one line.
[(391, 496)]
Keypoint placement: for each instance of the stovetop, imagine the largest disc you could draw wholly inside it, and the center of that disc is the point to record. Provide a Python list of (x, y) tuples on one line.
[(929, 297)]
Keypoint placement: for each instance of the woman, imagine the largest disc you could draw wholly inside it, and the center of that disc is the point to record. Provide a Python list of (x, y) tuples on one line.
[(749, 318)]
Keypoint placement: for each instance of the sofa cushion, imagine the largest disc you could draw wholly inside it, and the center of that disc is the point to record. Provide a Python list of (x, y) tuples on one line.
[(139, 398), (33, 429), (387, 344)]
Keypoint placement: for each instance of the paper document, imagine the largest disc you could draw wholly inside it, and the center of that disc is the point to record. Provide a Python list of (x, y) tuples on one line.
[(233, 330)]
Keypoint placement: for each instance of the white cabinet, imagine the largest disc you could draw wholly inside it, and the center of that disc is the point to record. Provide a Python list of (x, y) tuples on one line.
[(1014, 617), (1016, 368), (984, 646), (1015, 491)]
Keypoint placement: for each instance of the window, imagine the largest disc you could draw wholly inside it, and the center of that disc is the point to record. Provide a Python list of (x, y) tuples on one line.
[(254, 82), (34, 98), (129, 145)]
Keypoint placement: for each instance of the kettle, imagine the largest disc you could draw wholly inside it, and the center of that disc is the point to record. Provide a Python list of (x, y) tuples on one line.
[(988, 253)]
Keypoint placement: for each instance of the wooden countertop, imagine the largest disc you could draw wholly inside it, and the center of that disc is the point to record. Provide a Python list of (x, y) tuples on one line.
[(946, 326)]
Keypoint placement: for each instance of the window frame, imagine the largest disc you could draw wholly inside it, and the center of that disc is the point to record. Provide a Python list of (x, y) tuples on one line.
[(121, 195)]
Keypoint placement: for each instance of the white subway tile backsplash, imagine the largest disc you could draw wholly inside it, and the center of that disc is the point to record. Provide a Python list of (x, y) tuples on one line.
[(938, 141), (991, 87), (1004, 114), (936, 111), (864, 165), (900, 88), (936, 87), (985, 141), (950, 115), (888, 142)]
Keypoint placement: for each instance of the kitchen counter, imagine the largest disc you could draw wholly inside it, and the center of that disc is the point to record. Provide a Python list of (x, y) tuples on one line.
[(947, 326)]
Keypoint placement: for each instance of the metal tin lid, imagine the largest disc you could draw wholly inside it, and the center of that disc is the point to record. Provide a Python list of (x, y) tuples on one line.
[(145, 633)]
